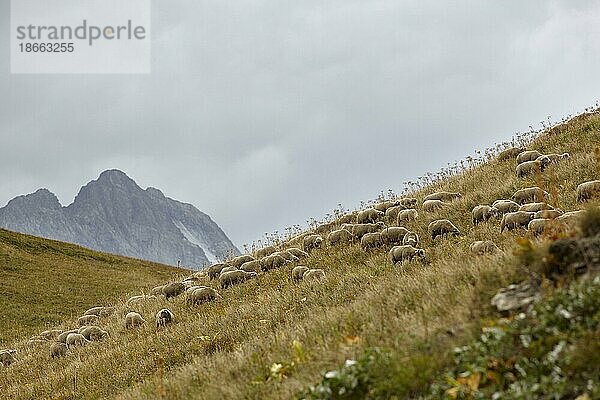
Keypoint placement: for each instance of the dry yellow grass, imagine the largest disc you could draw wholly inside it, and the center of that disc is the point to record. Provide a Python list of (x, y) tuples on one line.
[(227, 349)]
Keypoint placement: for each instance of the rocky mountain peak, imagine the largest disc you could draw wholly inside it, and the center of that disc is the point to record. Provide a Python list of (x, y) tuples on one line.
[(40, 199)]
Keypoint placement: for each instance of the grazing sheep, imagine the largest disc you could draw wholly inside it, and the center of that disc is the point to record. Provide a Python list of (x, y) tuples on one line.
[(384, 205), (228, 269), (405, 216), (58, 350), (505, 206), (528, 168), (312, 242), (252, 266), (411, 238), (588, 190), (433, 205), (173, 289), (139, 299), (325, 228), (510, 153), (157, 290), (370, 241), (214, 270), (133, 319), (443, 196), (528, 155), (235, 277), (94, 333), (548, 214), (370, 215), (273, 261), (165, 317), (484, 213), (298, 239), (340, 236), (359, 230), (399, 254), (87, 320), (63, 336), (313, 275), (392, 213), (535, 207), (203, 295), (7, 357), (554, 158), (297, 252), (75, 339), (348, 218), (442, 227), (95, 311), (289, 257), (538, 226), (481, 247), (571, 218), (51, 334), (530, 195), (298, 272), (515, 220), (238, 261), (409, 202), (265, 251), (392, 235)]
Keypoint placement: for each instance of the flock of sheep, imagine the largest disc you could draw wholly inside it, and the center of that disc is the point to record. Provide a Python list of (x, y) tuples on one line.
[(528, 208)]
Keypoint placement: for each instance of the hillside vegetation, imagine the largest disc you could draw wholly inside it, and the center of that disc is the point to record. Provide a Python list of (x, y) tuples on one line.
[(272, 338), (44, 282)]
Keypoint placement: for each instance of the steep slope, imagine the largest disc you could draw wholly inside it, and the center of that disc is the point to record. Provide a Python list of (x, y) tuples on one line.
[(270, 337), (113, 214), (44, 282)]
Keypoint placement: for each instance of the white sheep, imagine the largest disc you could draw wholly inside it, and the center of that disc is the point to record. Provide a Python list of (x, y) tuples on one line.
[(203, 295), (406, 216), (484, 213), (409, 202), (393, 235), (528, 155), (252, 266), (370, 215), (58, 350), (164, 317), (339, 236), (75, 339), (433, 205), (555, 157), (239, 260), (370, 241), (515, 220), (400, 254), (588, 190), (93, 333), (530, 195), (505, 206), (234, 277), (411, 238), (385, 205), (481, 247), (443, 196), (510, 153), (548, 214), (265, 251), (87, 320), (297, 252), (157, 290), (298, 272), (173, 289), (535, 207), (63, 336), (139, 299), (359, 230), (392, 213), (133, 319), (273, 261), (313, 275), (214, 270), (312, 242), (7, 357), (528, 168), (538, 226), (442, 227), (228, 269)]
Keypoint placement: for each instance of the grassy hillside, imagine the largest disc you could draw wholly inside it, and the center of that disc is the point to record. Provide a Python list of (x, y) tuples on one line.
[(44, 282), (271, 338)]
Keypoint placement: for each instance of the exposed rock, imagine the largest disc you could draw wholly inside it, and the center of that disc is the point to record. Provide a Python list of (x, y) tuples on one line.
[(518, 296)]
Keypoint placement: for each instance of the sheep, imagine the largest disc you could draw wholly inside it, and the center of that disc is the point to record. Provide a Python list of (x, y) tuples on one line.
[(530, 195), (535, 207), (228, 269), (252, 266), (409, 202), (313, 275), (514, 220), (51, 334), (139, 299), (442, 227), (505, 206), (133, 319), (554, 158), (100, 311), (528, 155), (405, 216), (399, 254), (298, 239), (58, 350), (94, 333), (298, 272), (371, 240), (63, 336), (164, 317), (157, 290), (571, 218), (370, 215), (528, 168), (411, 238), (203, 295), (87, 320), (481, 247), (75, 339), (359, 230), (289, 257), (273, 261), (588, 190), (484, 213), (234, 277), (340, 236), (265, 251), (238, 261), (312, 242), (538, 226), (392, 213), (385, 205), (348, 218), (510, 153), (7, 357), (173, 289), (443, 196), (297, 252), (433, 205), (548, 214), (325, 228), (392, 235), (214, 270)]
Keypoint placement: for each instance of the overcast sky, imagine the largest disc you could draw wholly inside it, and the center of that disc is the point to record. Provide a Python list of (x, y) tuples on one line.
[(266, 113)]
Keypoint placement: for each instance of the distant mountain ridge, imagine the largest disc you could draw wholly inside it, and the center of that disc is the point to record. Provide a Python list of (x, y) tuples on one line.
[(113, 214)]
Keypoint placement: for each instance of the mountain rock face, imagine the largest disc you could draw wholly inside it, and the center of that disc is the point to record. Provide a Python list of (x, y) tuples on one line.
[(113, 214)]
